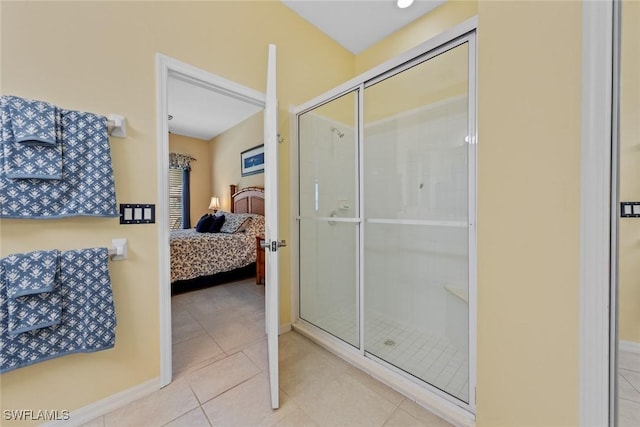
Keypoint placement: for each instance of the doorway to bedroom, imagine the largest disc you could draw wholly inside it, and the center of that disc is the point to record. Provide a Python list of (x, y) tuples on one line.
[(209, 121)]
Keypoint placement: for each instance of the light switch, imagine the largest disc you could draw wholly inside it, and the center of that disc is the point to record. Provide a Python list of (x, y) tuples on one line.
[(137, 213), (630, 209)]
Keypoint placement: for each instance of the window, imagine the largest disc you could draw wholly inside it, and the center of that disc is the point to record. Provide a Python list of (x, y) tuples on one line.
[(175, 198)]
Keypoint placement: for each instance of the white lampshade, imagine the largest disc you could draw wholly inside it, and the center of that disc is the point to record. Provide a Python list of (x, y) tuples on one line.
[(215, 203)]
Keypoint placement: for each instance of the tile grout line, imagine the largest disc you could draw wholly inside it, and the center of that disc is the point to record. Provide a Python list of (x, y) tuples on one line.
[(229, 389)]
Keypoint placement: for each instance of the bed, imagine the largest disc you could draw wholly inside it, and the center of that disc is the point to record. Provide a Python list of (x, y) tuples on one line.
[(204, 259)]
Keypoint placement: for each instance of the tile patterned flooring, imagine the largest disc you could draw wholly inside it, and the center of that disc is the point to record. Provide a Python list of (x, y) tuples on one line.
[(220, 375), (430, 357), (628, 389)]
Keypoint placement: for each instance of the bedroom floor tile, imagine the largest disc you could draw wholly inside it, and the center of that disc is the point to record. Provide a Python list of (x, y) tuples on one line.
[(194, 350), (235, 334), (629, 360), (209, 317), (628, 413), (231, 410), (184, 326), (229, 387), (401, 418), (96, 422), (194, 418), (156, 409), (258, 354), (344, 401), (426, 417), (215, 379), (626, 390)]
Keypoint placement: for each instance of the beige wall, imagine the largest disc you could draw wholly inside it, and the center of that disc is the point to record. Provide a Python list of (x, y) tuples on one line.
[(106, 63), (224, 152), (629, 243), (200, 176), (528, 212), (528, 206)]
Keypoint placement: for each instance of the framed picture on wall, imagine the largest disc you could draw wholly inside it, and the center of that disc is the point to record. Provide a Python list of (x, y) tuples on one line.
[(252, 160)]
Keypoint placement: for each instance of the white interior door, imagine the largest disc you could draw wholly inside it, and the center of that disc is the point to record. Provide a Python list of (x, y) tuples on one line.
[(272, 243)]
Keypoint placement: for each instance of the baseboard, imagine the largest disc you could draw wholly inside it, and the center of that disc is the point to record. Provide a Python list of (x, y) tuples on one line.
[(106, 405), (630, 346), (284, 328)]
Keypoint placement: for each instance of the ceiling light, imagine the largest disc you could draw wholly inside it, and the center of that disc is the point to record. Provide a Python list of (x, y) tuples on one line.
[(403, 4)]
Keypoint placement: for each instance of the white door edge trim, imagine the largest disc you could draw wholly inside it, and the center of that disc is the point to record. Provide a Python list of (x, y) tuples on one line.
[(595, 206)]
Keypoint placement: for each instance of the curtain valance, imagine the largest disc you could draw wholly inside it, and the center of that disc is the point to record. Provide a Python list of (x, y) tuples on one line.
[(180, 161)]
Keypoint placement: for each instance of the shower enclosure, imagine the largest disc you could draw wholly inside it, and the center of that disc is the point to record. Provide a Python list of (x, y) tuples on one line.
[(386, 217)]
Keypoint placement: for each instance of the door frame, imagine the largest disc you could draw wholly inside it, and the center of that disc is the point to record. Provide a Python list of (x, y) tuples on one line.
[(598, 207), (166, 66)]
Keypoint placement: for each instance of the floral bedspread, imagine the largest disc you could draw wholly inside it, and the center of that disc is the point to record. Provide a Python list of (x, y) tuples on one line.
[(196, 254)]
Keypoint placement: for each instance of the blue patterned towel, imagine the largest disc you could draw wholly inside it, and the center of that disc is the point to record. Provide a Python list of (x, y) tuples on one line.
[(31, 273), (87, 187), (32, 122), (88, 314), (33, 291), (32, 148)]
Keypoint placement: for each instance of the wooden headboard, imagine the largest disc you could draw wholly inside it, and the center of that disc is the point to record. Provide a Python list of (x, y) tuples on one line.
[(247, 200)]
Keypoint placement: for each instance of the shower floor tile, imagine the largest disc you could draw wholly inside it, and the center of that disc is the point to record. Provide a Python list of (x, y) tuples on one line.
[(429, 357)]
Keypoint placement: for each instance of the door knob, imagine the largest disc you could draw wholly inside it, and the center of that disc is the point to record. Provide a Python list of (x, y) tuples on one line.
[(272, 245)]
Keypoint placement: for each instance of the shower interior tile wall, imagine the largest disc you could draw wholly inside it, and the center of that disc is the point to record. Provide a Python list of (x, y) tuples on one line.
[(338, 183), (413, 287), (410, 160)]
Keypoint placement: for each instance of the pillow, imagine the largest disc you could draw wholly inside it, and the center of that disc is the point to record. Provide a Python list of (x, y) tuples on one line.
[(204, 223), (235, 223), (216, 224)]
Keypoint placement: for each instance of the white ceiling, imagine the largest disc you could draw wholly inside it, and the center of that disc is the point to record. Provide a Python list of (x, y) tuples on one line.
[(200, 112), (358, 24)]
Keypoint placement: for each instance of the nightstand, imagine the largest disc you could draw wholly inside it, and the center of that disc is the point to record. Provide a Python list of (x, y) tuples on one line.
[(259, 262)]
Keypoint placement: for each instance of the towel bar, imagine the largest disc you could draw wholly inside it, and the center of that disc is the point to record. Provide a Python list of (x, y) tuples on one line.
[(117, 125), (113, 253), (118, 249)]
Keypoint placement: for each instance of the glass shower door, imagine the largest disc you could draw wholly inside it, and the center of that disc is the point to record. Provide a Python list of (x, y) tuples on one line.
[(329, 217), (416, 220)]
